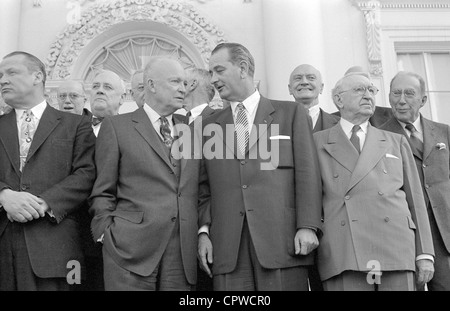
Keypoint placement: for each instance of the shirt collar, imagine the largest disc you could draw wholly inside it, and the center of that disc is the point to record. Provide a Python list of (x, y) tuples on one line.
[(314, 110), (348, 126), (154, 116), (417, 124), (250, 103), (37, 110), (196, 111)]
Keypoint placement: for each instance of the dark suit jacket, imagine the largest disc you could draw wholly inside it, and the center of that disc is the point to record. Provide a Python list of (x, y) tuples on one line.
[(325, 121), (137, 196), (274, 202), (380, 116), (60, 169), (434, 170), (373, 208)]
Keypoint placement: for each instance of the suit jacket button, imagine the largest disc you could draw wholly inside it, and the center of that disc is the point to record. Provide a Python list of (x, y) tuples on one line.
[(243, 162), (336, 175), (23, 187), (244, 187), (241, 213), (174, 219), (380, 193), (427, 186), (343, 223), (386, 219), (347, 197), (384, 171), (424, 165)]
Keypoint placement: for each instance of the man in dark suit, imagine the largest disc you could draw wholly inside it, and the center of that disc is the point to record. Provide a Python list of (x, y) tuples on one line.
[(144, 199), (381, 114), (429, 142), (71, 97), (305, 85), (199, 93), (46, 173), (376, 229), (264, 217)]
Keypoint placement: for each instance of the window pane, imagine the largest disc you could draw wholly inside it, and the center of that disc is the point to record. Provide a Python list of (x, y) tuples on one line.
[(442, 106), (439, 72)]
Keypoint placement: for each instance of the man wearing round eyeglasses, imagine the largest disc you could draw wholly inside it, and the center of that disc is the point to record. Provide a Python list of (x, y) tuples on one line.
[(71, 97), (429, 142), (376, 228)]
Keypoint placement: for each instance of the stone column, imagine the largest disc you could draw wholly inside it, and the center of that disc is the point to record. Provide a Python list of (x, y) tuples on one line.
[(9, 26), (293, 35)]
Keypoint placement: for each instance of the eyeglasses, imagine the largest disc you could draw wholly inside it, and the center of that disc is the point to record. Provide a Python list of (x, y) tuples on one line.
[(72, 96), (361, 90), (409, 93)]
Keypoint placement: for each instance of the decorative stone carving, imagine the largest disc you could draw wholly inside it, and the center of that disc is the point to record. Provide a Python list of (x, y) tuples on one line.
[(181, 17), (371, 11)]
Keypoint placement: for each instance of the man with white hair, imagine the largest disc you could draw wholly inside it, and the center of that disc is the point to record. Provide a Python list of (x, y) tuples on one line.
[(107, 94)]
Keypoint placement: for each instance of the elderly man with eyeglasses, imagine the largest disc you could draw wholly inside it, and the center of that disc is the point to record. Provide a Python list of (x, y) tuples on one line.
[(71, 97), (376, 231), (429, 142)]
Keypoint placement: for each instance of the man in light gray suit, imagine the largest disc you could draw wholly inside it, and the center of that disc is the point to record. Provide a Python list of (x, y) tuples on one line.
[(429, 142)]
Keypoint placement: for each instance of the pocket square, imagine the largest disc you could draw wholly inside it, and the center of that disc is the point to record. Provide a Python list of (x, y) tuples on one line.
[(280, 137), (441, 146), (388, 155)]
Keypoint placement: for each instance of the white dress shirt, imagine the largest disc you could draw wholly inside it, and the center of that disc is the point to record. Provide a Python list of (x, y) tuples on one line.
[(156, 121), (362, 132), (196, 111), (251, 105), (314, 112), (418, 125)]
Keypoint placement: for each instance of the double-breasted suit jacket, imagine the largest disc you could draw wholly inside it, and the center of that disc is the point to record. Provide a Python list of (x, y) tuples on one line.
[(275, 202), (137, 196), (60, 169), (373, 208)]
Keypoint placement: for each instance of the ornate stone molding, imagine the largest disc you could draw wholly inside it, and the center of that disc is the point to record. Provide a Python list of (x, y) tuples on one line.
[(98, 18), (371, 11)]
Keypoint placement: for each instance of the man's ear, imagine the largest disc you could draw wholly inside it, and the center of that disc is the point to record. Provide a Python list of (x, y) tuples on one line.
[(424, 100), (192, 84), (38, 77), (337, 99), (243, 66), (321, 88), (151, 85), (290, 89)]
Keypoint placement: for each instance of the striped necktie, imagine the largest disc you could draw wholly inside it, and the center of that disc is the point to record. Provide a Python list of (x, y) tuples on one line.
[(242, 132)]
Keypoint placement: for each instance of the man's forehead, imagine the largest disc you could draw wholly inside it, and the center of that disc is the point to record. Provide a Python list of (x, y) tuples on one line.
[(406, 80), (70, 86), (356, 80), (12, 61), (107, 77)]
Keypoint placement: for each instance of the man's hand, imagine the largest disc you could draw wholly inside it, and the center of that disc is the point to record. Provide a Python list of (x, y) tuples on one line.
[(305, 241), (205, 253), (21, 206), (425, 271)]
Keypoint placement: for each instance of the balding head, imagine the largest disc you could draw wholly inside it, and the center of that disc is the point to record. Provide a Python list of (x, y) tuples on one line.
[(305, 84), (165, 85)]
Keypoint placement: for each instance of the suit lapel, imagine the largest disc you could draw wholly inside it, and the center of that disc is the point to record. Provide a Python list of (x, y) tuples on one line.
[(178, 120), (9, 136), (263, 116), (338, 147), (224, 119), (394, 126), (374, 149), (145, 129), (429, 138), (49, 121)]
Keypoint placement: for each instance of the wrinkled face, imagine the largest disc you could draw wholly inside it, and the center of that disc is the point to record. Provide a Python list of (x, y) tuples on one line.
[(305, 84), (106, 94), (354, 101), (225, 76), (17, 82), (406, 98), (167, 86), (137, 89), (71, 97)]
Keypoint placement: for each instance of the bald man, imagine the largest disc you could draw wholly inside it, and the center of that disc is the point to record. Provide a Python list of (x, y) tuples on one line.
[(305, 85), (107, 94), (144, 200)]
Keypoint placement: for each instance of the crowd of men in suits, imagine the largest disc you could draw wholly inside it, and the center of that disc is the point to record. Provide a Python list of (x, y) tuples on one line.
[(356, 200)]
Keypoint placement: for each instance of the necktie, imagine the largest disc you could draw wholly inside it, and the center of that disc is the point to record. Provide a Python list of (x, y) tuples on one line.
[(27, 130), (242, 133), (165, 132), (355, 139), (414, 140), (96, 121)]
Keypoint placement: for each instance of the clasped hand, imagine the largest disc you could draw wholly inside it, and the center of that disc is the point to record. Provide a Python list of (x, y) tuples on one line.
[(22, 206)]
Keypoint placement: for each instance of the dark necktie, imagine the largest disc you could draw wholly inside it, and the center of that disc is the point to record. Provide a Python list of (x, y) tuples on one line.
[(414, 139), (242, 133), (165, 132), (188, 117), (96, 121), (355, 139)]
